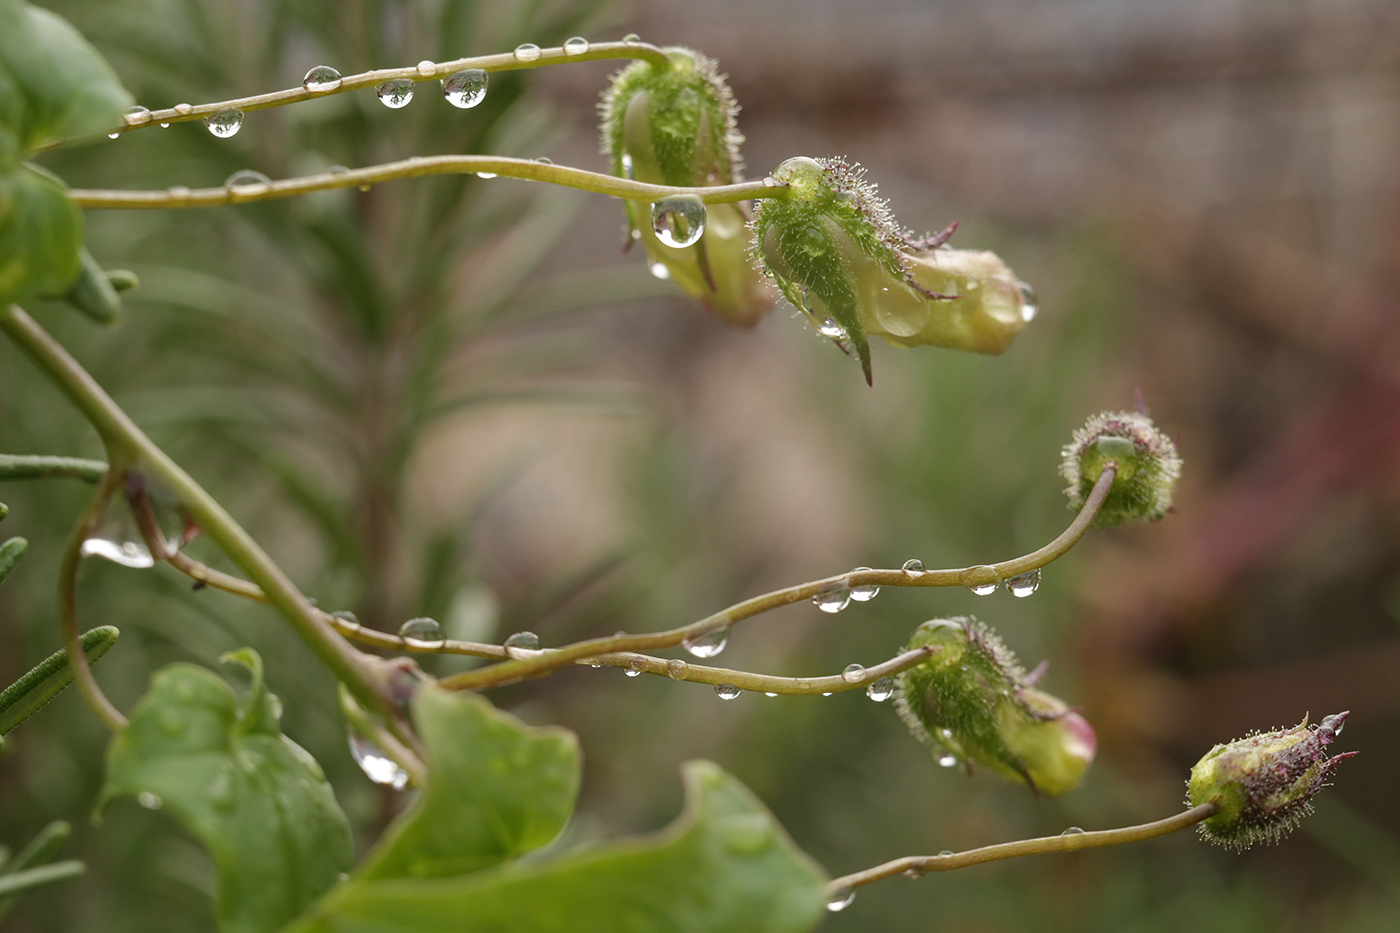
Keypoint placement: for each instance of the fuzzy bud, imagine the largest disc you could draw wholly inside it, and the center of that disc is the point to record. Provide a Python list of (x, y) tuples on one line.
[(1263, 785), (676, 126), (972, 702), (835, 251), (1146, 460)]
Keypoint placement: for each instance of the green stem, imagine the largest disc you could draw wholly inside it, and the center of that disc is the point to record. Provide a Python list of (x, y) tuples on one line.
[(417, 167), (17, 466), (918, 865), (763, 683), (521, 668)]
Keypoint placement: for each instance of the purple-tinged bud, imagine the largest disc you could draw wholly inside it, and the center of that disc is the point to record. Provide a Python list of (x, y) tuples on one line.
[(1263, 784), (1145, 459)]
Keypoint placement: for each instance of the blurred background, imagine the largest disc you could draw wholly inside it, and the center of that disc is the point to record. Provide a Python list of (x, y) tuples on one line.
[(456, 398)]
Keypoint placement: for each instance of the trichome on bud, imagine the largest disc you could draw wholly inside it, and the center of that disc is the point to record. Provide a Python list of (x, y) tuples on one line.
[(1145, 460)]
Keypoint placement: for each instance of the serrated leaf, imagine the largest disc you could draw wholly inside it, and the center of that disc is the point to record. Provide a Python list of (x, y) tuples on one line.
[(497, 788), (41, 233), (257, 801), (724, 866)]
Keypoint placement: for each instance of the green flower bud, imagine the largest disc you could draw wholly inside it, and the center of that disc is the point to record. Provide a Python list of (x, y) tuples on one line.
[(676, 126), (1147, 463), (972, 702), (835, 251), (1263, 785)]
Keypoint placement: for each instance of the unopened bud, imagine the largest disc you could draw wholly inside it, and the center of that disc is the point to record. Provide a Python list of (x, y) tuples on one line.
[(1145, 460), (971, 701), (1263, 785)]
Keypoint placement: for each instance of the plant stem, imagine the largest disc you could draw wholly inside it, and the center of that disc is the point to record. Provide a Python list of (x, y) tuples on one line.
[(417, 167), (763, 683), (918, 865), (17, 466), (519, 669)]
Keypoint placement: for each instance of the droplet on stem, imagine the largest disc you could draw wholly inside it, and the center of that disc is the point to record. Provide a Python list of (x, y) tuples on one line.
[(947, 760), (1030, 306), (707, 644), (136, 116), (320, 79), (485, 174), (865, 592), (575, 46), (840, 899), (422, 629), (395, 93), (913, 567), (659, 270), (1024, 584), (678, 221), (522, 644), (225, 123), (527, 52), (1073, 831), (426, 68), (982, 580), (247, 181), (183, 110), (377, 766), (853, 673), (881, 690), (833, 599), (466, 89), (631, 38), (676, 669), (635, 667), (727, 691)]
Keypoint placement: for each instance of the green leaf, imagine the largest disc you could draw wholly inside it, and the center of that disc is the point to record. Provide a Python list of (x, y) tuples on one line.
[(257, 801), (21, 881), (10, 552), (41, 850), (53, 85), (496, 789), (24, 697), (724, 867), (41, 233)]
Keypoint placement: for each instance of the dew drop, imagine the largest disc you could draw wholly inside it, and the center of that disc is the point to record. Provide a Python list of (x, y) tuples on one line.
[(575, 46), (635, 667), (840, 899), (522, 644), (1333, 725), (678, 222), (727, 691), (320, 79), (165, 126), (545, 160), (1073, 831), (117, 537), (426, 68), (832, 600), (853, 673), (183, 110), (178, 193), (866, 592), (945, 853), (527, 52), (465, 89), (767, 694), (149, 800), (628, 169), (659, 270), (1024, 584), (947, 760), (395, 93), (881, 690), (485, 174), (828, 693), (377, 766), (225, 123), (982, 580), (913, 567), (137, 115), (113, 135), (346, 616), (631, 39), (1030, 306), (707, 644), (421, 629), (337, 170), (676, 669), (830, 328), (247, 181), (914, 874)]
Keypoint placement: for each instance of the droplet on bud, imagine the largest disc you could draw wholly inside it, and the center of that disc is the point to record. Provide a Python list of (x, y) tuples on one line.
[(947, 760), (149, 800), (320, 79), (678, 221), (395, 93), (1030, 306), (707, 644), (225, 123), (466, 89)]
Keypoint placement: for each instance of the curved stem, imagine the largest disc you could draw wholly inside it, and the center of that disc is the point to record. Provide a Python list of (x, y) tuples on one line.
[(20, 466), (519, 669), (417, 167), (763, 683), (918, 865)]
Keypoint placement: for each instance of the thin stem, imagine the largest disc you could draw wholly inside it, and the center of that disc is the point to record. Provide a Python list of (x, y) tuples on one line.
[(519, 669), (417, 167), (763, 683), (918, 865), (18, 466), (68, 604)]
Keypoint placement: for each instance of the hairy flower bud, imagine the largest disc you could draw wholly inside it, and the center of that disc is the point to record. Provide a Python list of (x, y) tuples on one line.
[(971, 701), (835, 251), (1146, 461), (676, 126), (1263, 784)]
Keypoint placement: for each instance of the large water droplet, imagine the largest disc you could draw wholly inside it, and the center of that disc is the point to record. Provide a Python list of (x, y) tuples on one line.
[(118, 538), (707, 644), (913, 567), (881, 690), (377, 766), (982, 580), (395, 93), (679, 221), (422, 629), (149, 800), (1024, 584), (128, 553), (840, 899), (137, 115), (727, 691), (320, 79), (575, 46), (426, 68), (676, 669), (1073, 831), (659, 270), (522, 644), (527, 52), (853, 673), (225, 123), (1030, 306), (947, 760), (246, 181), (866, 592), (635, 667), (833, 599), (466, 89)]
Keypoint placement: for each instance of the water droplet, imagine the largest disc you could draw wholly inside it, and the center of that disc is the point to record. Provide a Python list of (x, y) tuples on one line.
[(707, 644), (545, 160), (165, 126), (225, 123), (149, 800), (982, 580), (527, 52), (1024, 584), (246, 181), (913, 567), (804, 684), (840, 899), (679, 221), (635, 667), (1073, 831), (137, 115), (881, 690), (522, 644), (346, 616), (829, 328), (395, 93), (575, 46), (727, 691), (183, 110), (422, 629), (320, 79), (631, 38), (485, 174), (1030, 306), (628, 166), (945, 853), (113, 135), (947, 760), (466, 89), (426, 68), (676, 669), (659, 270), (866, 592), (337, 170), (832, 600), (828, 693), (767, 694), (770, 182), (914, 873), (853, 673), (118, 539), (377, 766)]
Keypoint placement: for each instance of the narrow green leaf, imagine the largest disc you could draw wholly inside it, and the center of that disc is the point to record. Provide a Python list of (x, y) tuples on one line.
[(22, 881), (497, 788), (256, 800), (11, 552), (724, 867), (41, 232), (22, 698), (42, 849)]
